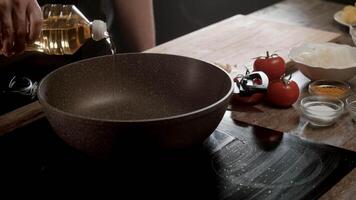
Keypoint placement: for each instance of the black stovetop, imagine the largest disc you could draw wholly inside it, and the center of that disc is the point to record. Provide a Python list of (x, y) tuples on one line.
[(232, 164)]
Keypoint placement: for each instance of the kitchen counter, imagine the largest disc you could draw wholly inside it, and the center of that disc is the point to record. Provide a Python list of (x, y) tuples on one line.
[(220, 43), (319, 14), (230, 42)]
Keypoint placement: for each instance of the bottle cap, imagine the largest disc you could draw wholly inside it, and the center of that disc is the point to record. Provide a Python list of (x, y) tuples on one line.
[(99, 30)]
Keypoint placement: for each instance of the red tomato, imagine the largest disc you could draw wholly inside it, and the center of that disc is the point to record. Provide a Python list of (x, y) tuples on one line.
[(282, 93), (273, 66)]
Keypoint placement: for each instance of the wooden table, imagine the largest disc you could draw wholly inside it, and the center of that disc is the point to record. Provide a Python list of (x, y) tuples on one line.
[(239, 39), (218, 43), (293, 22), (316, 14), (319, 14)]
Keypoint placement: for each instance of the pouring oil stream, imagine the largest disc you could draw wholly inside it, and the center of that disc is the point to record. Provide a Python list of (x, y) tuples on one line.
[(115, 74)]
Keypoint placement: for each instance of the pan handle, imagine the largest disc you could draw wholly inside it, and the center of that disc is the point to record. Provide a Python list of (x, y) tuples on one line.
[(23, 86)]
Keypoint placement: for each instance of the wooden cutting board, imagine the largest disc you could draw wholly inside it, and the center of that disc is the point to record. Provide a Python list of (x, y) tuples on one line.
[(239, 39)]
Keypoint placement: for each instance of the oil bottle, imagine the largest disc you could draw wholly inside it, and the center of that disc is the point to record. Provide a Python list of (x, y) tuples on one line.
[(65, 29)]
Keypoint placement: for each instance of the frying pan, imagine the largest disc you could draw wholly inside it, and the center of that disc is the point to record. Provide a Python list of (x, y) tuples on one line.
[(111, 103)]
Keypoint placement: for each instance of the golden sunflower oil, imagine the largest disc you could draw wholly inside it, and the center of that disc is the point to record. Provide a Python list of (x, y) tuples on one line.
[(65, 29)]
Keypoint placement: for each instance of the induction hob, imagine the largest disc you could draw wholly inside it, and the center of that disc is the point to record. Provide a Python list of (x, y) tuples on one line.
[(231, 164)]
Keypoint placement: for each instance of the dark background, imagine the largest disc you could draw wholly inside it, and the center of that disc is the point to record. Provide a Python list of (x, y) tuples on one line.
[(178, 17), (173, 18)]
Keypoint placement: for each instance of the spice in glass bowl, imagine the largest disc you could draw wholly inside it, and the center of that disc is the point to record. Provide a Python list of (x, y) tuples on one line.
[(351, 106), (321, 110), (331, 88)]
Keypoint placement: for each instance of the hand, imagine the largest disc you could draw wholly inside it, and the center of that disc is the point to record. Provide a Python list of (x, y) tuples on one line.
[(20, 22)]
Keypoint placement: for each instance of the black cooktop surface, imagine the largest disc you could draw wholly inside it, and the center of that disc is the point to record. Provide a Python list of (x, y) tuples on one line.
[(234, 163)]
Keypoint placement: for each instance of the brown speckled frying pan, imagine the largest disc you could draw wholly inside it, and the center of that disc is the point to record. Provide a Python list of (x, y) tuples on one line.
[(101, 104)]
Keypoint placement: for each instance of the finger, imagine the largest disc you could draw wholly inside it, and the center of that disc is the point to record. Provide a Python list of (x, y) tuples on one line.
[(7, 32), (4, 5), (35, 17), (20, 26)]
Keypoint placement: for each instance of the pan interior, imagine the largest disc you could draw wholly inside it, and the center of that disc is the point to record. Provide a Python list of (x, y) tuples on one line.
[(134, 87)]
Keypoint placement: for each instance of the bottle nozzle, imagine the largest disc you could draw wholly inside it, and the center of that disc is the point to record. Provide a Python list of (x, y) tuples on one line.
[(99, 30)]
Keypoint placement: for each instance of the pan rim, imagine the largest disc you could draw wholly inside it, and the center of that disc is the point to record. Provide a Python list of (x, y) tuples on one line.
[(159, 119)]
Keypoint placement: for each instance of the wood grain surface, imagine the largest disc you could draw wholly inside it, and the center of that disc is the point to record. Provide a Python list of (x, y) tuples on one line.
[(240, 39), (20, 117), (223, 47), (316, 14)]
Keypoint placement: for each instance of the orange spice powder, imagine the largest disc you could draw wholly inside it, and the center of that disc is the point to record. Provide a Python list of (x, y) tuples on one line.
[(329, 90)]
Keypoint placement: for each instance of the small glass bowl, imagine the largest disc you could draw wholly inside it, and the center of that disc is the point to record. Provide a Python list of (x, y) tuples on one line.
[(321, 110), (352, 32), (351, 106), (331, 88)]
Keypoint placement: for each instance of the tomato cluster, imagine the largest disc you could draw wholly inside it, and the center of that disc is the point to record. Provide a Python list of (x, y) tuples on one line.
[(281, 92)]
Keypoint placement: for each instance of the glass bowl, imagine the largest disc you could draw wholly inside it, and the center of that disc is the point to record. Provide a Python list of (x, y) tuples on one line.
[(332, 88), (321, 110), (351, 106)]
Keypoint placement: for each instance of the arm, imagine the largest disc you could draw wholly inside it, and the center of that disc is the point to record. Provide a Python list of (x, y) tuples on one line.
[(20, 22), (136, 24)]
